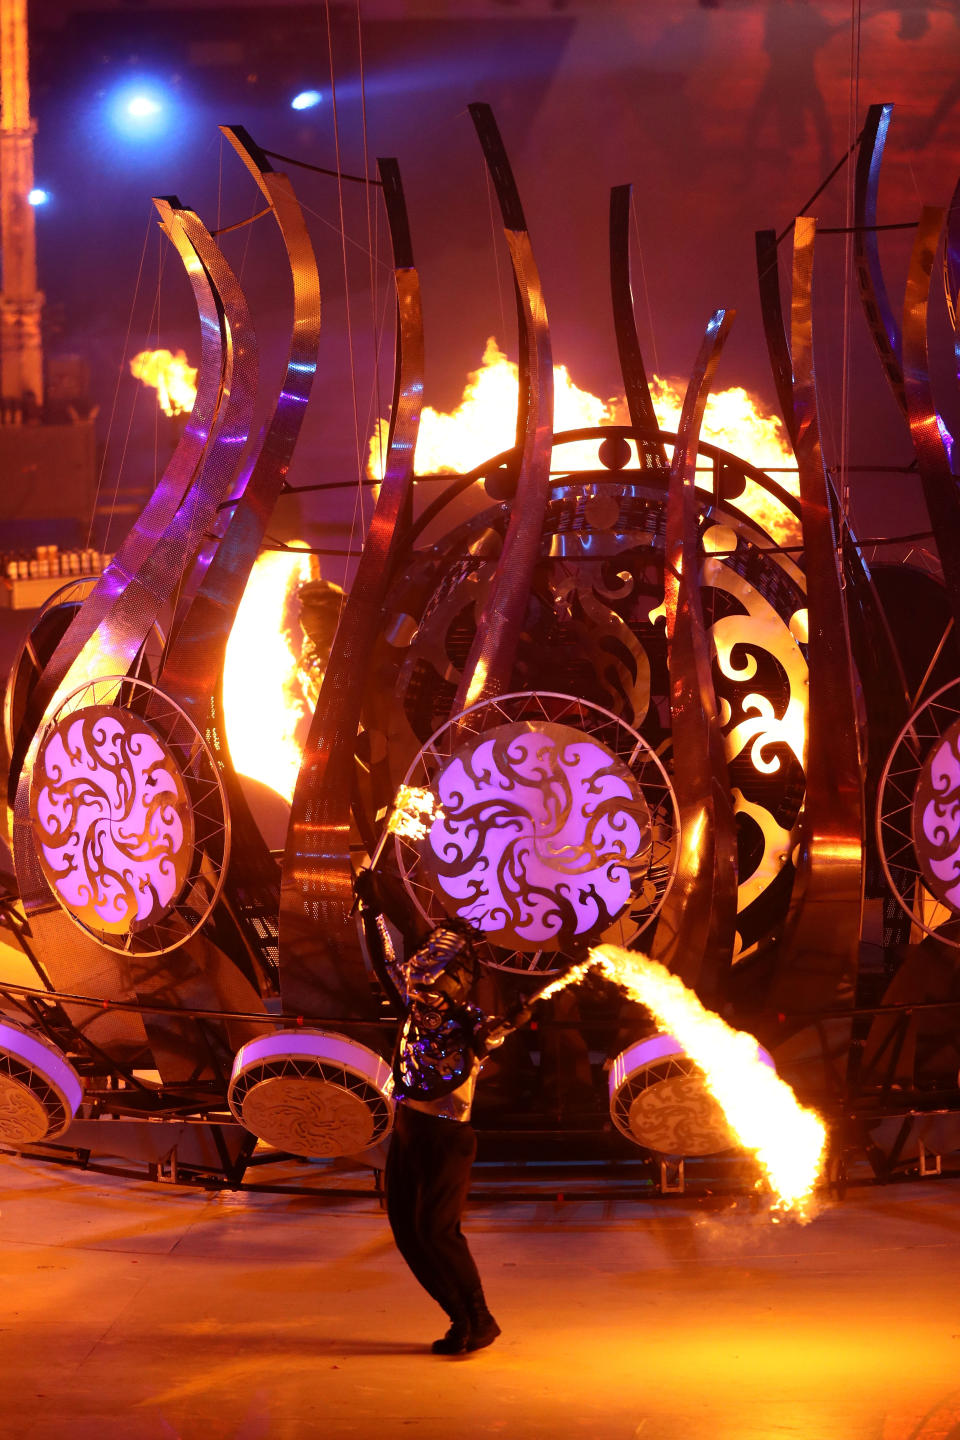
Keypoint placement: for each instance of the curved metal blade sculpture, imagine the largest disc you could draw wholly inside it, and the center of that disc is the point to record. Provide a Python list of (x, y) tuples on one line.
[(193, 662), (696, 928), (817, 965), (321, 969), (490, 661)]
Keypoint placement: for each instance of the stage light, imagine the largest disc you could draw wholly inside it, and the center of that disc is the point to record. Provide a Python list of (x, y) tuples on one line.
[(141, 110), (306, 100), (143, 107), (37, 196)]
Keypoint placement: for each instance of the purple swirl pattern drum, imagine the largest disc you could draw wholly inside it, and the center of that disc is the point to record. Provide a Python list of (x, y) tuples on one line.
[(658, 1099), (936, 819), (542, 836), (311, 1092), (112, 820), (40, 1092)]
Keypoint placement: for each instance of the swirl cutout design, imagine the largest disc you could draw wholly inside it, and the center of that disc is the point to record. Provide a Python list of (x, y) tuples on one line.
[(936, 819), (543, 837), (112, 819)]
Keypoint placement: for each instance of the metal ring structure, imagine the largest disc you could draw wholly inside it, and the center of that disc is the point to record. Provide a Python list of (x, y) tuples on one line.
[(623, 742), (191, 906), (312, 1092), (819, 955), (696, 934), (911, 751), (489, 665), (321, 966), (40, 1092), (659, 1099)]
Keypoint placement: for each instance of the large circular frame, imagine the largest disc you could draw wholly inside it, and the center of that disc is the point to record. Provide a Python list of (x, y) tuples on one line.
[(192, 904), (905, 770), (624, 743)]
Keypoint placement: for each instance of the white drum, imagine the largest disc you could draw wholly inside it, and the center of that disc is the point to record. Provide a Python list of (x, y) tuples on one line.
[(40, 1092), (658, 1099), (312, 1092)]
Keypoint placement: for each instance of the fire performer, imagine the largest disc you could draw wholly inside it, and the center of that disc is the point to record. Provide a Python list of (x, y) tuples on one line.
[(441, 1047)]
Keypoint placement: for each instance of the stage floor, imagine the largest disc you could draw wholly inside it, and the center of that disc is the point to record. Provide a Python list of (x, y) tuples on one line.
[(153, 1313)]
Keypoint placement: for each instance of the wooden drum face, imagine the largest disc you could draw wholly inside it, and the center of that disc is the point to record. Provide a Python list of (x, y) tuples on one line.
[(312, 1092), (40, 1092), (659, 1099)]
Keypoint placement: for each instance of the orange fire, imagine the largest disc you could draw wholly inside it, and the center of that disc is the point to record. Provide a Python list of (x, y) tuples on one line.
[(172, 376), (268, 701), (788, 1139), (483, 425), (414, 811)]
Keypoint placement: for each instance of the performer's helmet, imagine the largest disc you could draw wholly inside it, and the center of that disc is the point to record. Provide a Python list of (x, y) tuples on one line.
[(445, 965)]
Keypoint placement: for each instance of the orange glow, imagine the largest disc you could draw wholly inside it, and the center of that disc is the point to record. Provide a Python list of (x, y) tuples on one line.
[(265, 697), (483, 425), (788, 1140), (414, 811), (173, 378)]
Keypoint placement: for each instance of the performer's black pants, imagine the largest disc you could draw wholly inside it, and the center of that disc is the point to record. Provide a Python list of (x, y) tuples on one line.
[(427, 1180)]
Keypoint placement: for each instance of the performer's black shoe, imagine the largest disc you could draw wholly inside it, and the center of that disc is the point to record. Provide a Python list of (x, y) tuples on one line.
[(456, 1341), (483, 1328)]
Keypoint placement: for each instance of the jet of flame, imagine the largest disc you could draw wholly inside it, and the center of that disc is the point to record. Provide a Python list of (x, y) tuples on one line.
[(414, 811), (484, 423), (788, 1140), (265, 697), (172, 376)]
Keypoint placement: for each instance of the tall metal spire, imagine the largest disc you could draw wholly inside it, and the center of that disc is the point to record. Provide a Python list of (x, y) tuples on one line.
[(21, 303)]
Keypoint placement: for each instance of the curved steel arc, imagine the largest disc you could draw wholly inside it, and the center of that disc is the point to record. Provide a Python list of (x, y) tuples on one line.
[(320, 962), (774, 330), (696, 928), (635, 384), (194, 663), (951, 270), (194, 657), (939, 485), (866, 250), (137, 599), (489, 665), (818, 957), (162, 505)]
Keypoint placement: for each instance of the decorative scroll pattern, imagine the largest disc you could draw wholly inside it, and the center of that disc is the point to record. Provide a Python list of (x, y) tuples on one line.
[(679, 1116), (112, 819), (23, 1117), (936, 819), (308, 1116), (526, 836), (543, 838)]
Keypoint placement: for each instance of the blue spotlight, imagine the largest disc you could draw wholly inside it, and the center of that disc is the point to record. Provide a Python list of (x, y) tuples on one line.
[(306, 100), (143, 107), (141, 110), (37, 196)]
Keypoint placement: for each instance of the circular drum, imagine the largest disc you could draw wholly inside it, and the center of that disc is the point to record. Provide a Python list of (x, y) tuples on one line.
[(311, 1092), (658, 1099), (40, 1092)]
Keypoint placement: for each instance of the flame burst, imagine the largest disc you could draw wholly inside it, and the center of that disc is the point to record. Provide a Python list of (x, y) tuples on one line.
[(264, 695), (414, 811), (173, 378), (788, 1140), (483, 424)]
